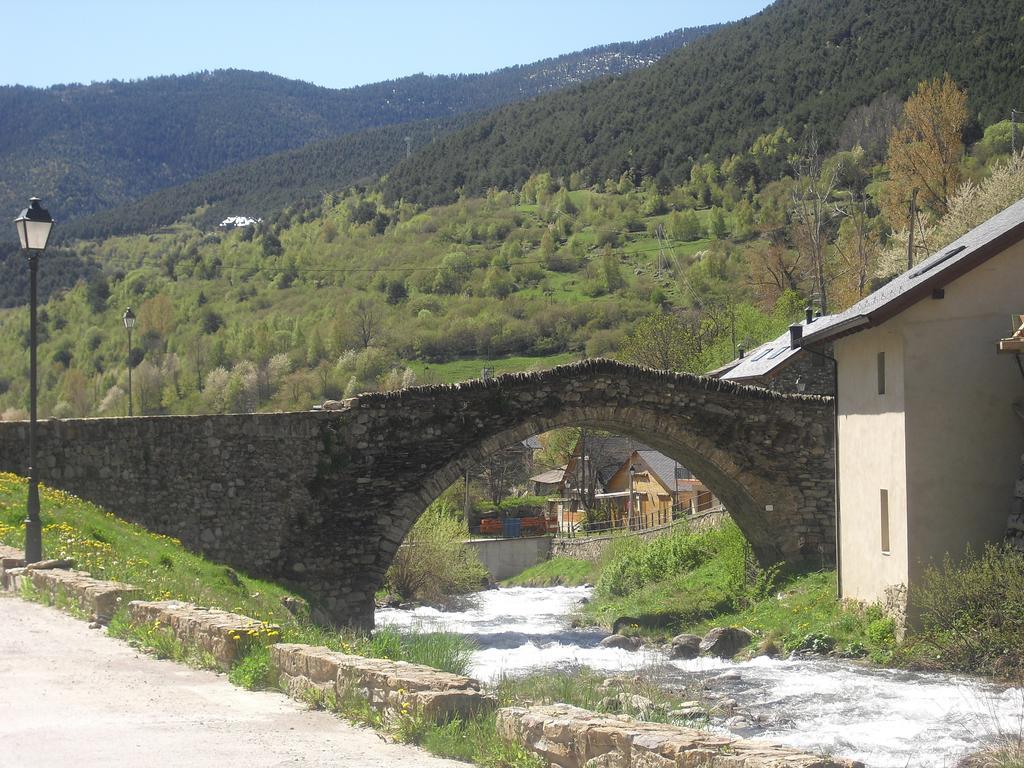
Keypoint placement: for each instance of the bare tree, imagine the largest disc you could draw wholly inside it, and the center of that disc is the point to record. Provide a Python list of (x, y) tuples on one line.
[(365, 317), (815, 214)]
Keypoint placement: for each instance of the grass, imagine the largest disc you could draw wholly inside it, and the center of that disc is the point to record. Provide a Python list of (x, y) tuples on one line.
[(635, 695), (110, 548), (692, 581), (558, 571)]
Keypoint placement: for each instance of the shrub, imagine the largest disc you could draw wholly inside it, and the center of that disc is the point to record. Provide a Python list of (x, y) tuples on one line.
[(972, 612), (433, 562), (682, 550)]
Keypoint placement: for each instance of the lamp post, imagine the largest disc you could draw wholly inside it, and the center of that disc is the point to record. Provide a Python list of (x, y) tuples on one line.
[(33, 225), (129, 323)]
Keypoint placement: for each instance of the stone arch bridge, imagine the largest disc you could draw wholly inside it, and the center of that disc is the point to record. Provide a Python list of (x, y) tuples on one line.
[(321, 500)]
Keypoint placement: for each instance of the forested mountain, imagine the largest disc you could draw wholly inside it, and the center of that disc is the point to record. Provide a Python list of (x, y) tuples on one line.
[(264, 186), (84, 148), (823, 65)]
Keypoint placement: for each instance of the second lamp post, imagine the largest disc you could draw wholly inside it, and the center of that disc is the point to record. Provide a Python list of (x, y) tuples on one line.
[(129, 323)]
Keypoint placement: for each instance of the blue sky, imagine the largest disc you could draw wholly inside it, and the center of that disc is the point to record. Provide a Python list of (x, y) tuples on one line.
[(335, 44)]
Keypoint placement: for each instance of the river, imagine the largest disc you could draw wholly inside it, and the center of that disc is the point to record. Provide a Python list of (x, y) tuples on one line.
[(885, 718)]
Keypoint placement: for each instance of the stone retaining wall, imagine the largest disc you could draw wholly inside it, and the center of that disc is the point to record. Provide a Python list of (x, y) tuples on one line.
[(10, 558), (222, 634), (98, 599), (390, 687), (569, 737)]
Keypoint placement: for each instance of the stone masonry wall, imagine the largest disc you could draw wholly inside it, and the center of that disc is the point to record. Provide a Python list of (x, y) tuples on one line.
[(390, 687), (320, 501), (816, 373), (569, 737)]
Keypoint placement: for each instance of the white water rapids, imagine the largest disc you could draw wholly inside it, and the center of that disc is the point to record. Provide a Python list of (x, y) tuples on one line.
[(886, 718)]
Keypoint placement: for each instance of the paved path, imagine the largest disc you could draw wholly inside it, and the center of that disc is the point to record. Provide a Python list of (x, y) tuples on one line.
[(71, 696)]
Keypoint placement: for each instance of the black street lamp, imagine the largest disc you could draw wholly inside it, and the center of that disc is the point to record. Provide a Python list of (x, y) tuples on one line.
[(33, 225), (129, 323)]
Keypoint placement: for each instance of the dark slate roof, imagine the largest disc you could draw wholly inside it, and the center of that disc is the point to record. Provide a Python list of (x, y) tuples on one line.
[(661, 465), (959, 257), (763, 360), (612, 451)]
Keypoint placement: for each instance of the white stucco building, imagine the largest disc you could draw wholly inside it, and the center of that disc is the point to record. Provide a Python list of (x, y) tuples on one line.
[(928, 444)]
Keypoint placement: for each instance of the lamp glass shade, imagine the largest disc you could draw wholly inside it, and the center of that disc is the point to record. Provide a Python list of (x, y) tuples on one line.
[(129, 318), (34, 226)]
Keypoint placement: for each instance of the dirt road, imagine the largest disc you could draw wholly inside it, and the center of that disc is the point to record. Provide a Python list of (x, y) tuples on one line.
[(72, 696)]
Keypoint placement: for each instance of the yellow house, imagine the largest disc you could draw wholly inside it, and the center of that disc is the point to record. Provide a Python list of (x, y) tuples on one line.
[(648, 488), (928, 445)]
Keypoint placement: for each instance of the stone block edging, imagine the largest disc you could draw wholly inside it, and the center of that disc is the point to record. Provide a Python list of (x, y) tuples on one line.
[(390, 687), (570, 737), (222, 634), (98, 599)]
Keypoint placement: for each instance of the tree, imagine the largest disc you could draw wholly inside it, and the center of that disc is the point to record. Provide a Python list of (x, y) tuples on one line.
[(925, 148), (157, 314), (671, 341), (717, 227), (434, 562), (814, 214), (686, 226), (501, 471), (365, 317), (613, 279), (272, 245), (97, 291)]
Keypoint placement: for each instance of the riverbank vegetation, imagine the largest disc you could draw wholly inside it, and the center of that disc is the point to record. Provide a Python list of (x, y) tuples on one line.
[(971, 615), (691, 580), (433, 564)]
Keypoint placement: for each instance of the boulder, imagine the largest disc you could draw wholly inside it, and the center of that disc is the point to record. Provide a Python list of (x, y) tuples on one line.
[(632, 703), (725, 642), (624, 621), (685, 647), (621, 641)]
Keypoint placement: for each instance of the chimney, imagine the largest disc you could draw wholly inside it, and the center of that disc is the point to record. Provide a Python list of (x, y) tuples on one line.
[(809, 314), (742, 351), (796, 335)]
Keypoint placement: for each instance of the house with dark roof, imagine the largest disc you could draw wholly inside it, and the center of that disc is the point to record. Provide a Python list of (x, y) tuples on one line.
[(650, 489), (596, 478), (928, 446), (779, 366)]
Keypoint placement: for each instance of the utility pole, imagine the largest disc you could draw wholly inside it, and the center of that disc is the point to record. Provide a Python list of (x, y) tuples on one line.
[(466, 506), (910, 240), (408, 146)]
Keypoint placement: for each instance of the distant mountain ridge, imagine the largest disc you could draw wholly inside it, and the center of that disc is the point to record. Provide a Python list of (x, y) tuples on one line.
[(802, 64), (84, 148)]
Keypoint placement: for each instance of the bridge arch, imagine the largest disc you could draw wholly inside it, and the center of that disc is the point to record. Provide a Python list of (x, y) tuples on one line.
[(322, 500)]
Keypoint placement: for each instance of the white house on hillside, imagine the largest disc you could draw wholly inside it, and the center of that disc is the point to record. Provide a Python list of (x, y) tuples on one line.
[(928, 444)]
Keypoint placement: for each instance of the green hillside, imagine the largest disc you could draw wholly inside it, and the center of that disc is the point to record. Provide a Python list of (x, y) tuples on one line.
[(834, 67), (355, 295)]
